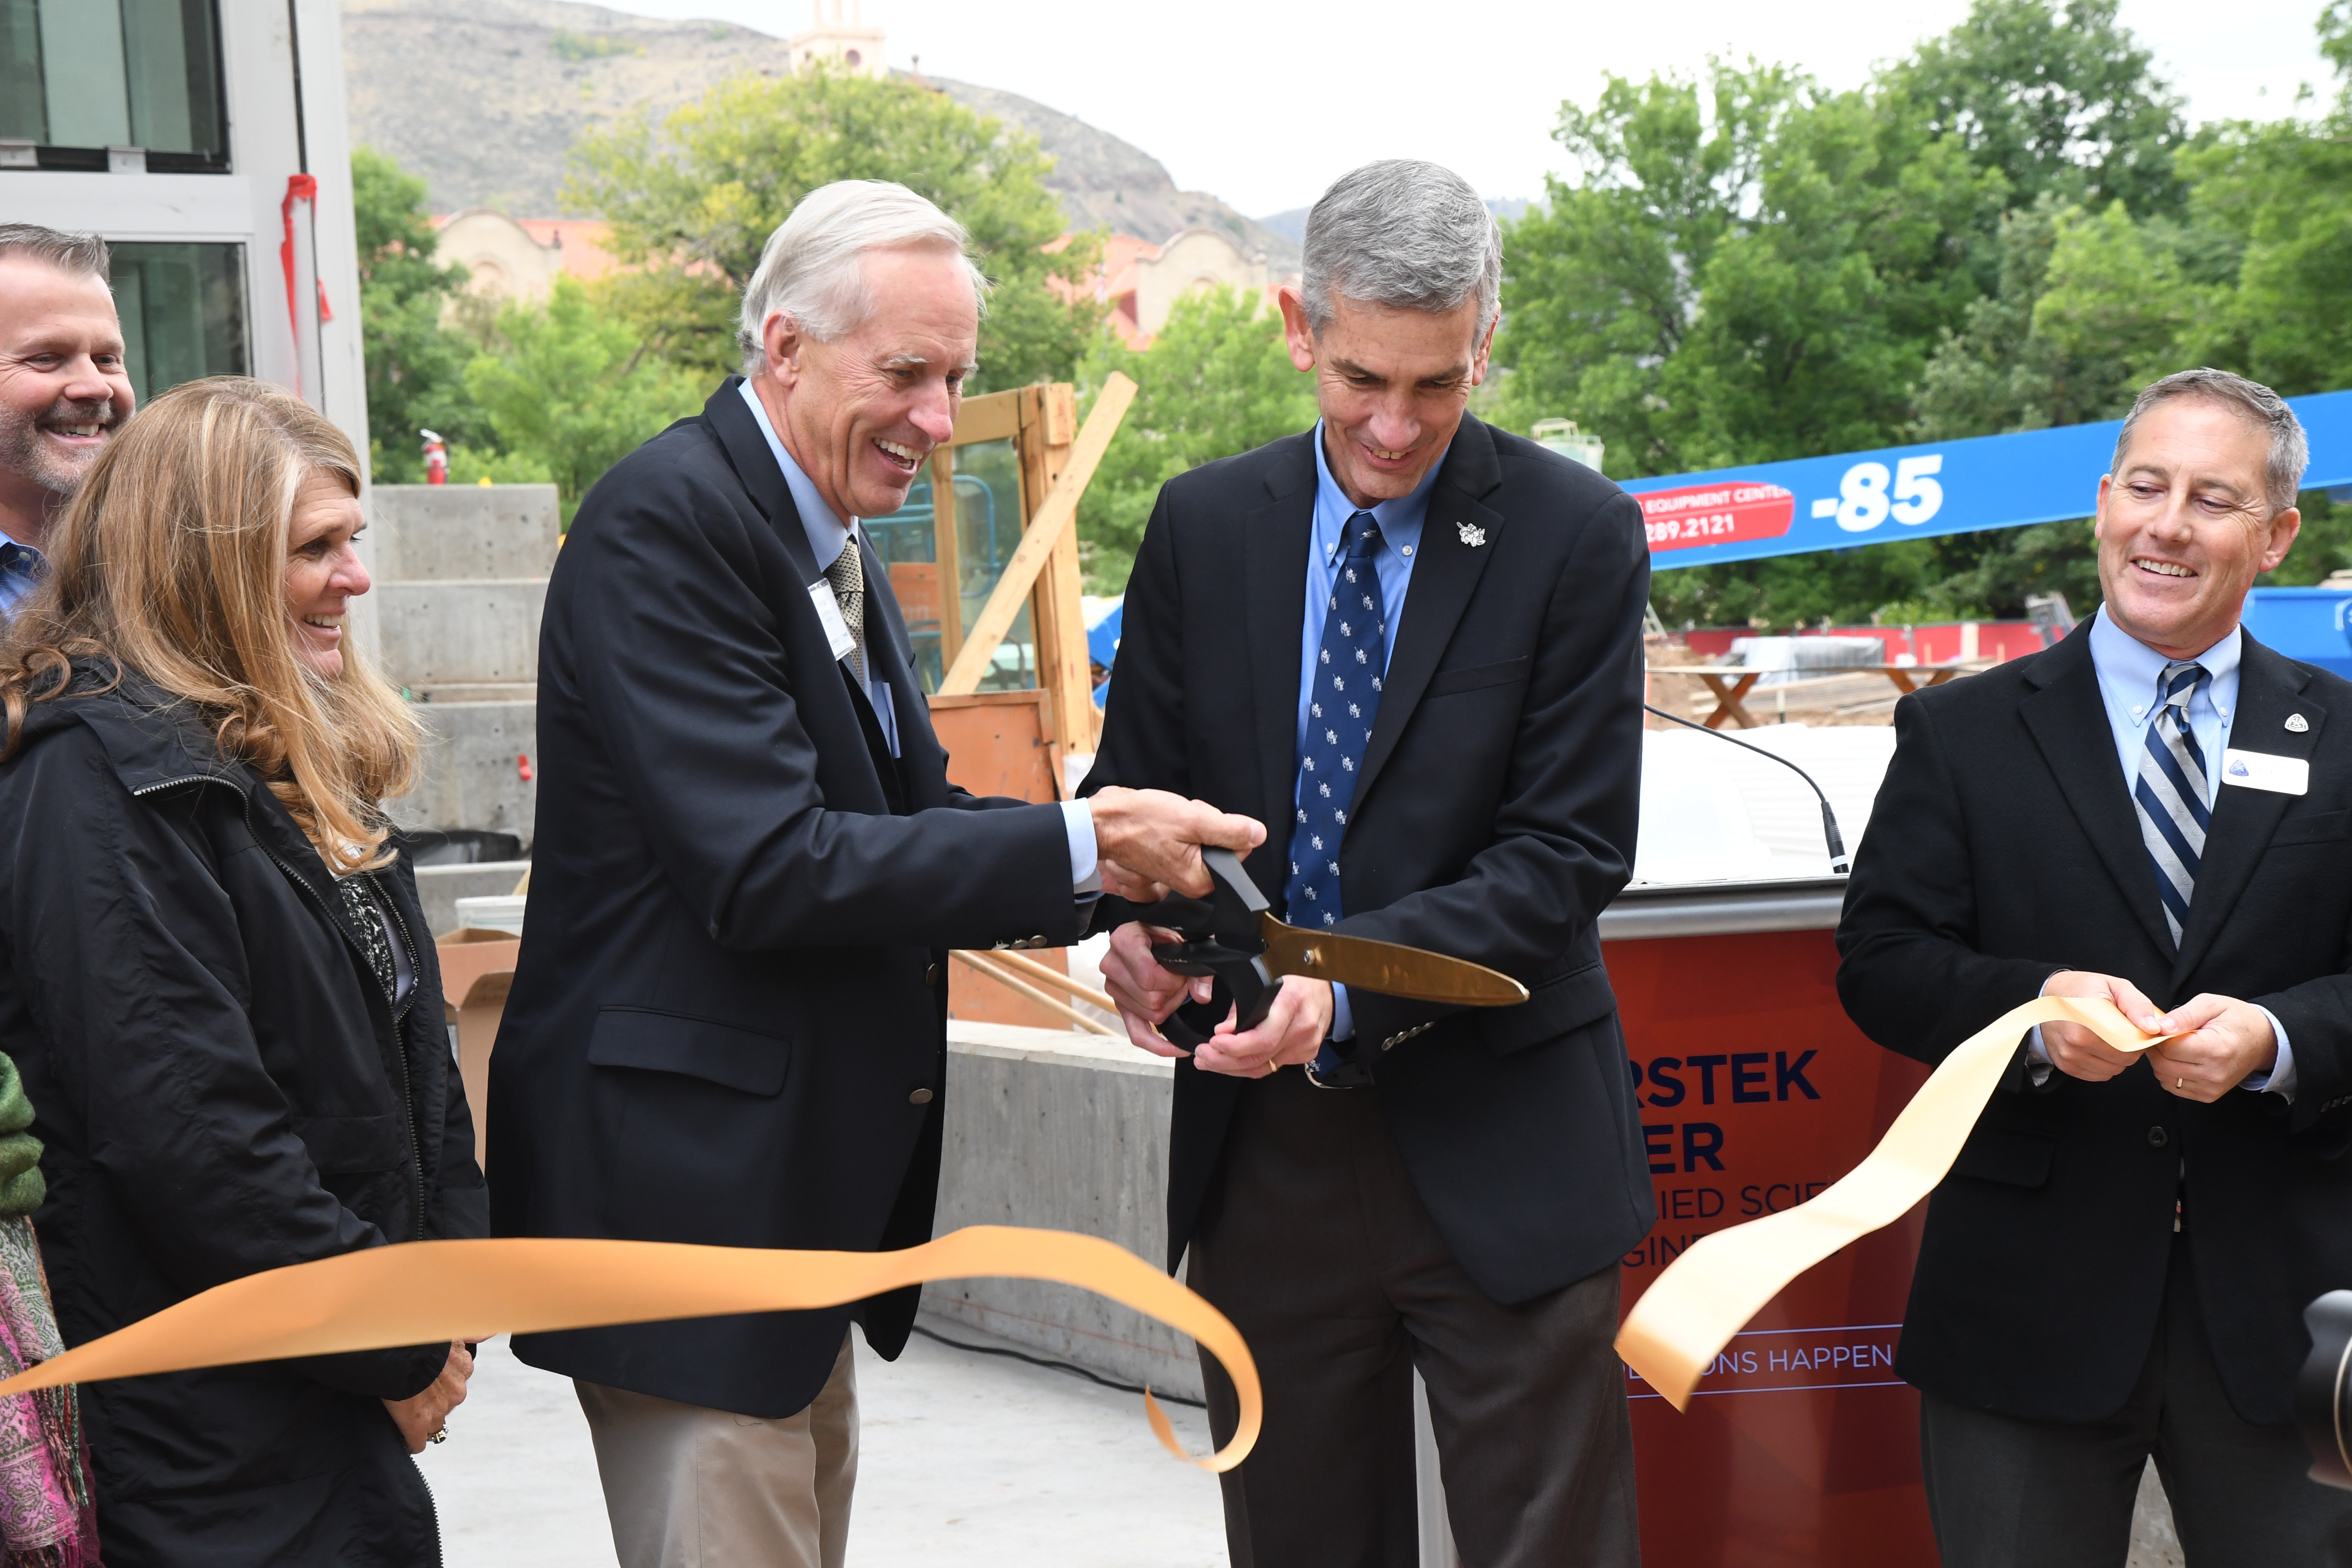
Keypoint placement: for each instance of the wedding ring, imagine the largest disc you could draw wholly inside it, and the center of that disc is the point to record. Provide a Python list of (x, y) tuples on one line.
[(2180, 1083)]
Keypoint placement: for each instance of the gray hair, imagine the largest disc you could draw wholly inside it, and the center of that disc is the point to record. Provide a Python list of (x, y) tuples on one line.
[(1404, 233), (83, 255), (2264, 409), (813, 267)]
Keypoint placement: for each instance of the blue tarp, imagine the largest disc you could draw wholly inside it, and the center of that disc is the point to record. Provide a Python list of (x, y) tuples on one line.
[(1909, 492), (2306, 624)]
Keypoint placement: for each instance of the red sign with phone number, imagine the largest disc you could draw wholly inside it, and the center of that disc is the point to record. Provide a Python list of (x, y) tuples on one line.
[(1724, 513)]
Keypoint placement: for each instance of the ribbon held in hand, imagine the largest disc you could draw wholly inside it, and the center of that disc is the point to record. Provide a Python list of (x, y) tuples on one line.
[(1706, 1295), (422, 1292)]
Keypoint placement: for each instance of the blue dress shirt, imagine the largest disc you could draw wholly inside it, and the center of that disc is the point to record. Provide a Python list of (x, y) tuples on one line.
[(22, 567), (2130, 679), (1399, 521), (828, 536)]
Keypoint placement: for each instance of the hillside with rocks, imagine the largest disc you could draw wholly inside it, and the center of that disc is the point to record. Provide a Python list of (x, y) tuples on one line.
[(483, 98)]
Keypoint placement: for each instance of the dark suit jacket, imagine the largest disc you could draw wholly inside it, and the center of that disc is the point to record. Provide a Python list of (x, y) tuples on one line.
[(732, 979), (1494, 819), (2004, 847)]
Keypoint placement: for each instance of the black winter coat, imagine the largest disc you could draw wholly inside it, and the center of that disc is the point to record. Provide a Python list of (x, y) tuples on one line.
[(221, 1087)]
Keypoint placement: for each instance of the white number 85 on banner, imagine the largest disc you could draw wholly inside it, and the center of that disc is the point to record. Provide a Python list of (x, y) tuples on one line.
[(1865, 496)]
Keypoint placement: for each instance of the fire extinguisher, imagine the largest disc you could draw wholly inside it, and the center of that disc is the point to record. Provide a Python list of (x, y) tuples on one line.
[(437, 459)]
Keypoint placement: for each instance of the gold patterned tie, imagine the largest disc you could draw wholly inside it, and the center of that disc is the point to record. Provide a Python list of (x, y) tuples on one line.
[(847, 576)]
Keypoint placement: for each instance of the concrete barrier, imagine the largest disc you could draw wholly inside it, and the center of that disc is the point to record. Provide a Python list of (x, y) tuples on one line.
[(474, 769), (1067, 1132), (462, 533), (436, 632)]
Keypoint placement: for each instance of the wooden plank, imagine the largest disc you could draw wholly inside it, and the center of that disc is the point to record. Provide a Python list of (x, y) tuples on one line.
[(992, 416), (1015, 983), (1047, 975), (1060, 513), (1057, 611), (946, 550), (1048, 426)]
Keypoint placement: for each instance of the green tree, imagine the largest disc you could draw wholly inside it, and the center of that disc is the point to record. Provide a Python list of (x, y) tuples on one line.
[(2058, 97), (416, 365), (1217, 380), (1991, 235), (692, 202), (568, 390), (2282, 194), (2090, 307), (1748, 271)]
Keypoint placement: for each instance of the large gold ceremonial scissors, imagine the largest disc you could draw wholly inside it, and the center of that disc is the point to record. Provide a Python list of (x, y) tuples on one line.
[(1231, 935)]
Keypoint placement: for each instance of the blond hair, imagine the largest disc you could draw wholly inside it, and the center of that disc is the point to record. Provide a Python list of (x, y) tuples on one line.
[(170, 561)]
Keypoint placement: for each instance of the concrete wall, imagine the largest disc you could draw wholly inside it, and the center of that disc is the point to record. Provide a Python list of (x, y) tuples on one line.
[(1065, 1132), (461, 583), (473, 769), (437, 633), (457, 533)]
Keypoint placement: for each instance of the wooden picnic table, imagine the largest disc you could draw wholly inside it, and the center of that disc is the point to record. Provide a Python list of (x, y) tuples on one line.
[(1731, 682)]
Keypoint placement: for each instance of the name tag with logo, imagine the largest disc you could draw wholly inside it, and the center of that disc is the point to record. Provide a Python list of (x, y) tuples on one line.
[(828, 610), (2260, 770)]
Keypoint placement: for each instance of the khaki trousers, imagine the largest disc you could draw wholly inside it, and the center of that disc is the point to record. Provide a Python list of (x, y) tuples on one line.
[(691, 1488)]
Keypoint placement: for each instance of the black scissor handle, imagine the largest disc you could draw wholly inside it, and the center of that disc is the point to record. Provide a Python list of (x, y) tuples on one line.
[(1220, 938)]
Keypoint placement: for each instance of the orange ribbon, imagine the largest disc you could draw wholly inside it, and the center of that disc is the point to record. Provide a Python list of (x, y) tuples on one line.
[(1706, 1295), (420, 1292)]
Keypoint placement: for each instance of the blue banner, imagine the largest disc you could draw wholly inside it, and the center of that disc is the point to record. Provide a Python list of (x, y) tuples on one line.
[(1909, 492)]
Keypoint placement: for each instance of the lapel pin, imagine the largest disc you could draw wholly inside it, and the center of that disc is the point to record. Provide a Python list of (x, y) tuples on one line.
[(2297, 723), (1473, 537)]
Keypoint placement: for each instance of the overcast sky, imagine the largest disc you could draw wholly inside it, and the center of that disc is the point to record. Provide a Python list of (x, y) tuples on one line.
[(1265, 101)]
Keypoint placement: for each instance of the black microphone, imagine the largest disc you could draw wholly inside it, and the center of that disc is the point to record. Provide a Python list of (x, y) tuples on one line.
[(1838, 862)]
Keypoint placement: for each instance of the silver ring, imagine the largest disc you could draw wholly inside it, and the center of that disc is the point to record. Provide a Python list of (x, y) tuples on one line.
[(441, 1435)]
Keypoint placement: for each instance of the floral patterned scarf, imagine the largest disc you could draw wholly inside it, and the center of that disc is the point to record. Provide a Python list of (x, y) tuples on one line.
[(47, 1520)]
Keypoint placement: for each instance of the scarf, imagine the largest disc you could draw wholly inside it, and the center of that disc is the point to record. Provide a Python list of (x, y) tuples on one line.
[(47, 1518)]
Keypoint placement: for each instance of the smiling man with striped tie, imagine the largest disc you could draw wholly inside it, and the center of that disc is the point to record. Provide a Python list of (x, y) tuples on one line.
[(2154, 811)]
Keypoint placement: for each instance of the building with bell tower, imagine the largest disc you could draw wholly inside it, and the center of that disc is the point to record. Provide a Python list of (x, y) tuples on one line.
[(844, 42)]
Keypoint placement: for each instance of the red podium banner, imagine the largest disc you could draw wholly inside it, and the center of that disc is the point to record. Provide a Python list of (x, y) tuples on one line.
[(1800, 1449)]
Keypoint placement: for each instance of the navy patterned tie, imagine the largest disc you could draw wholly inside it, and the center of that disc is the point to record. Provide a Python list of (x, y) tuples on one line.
[(2172, 796), (1342, 701)]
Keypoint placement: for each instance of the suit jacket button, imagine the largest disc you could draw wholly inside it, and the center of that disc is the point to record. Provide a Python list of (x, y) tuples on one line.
[(920, 1096), (931, 974), (2156, 1138)]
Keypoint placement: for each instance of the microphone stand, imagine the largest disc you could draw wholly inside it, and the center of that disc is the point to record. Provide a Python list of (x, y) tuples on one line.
[(1838, 862)]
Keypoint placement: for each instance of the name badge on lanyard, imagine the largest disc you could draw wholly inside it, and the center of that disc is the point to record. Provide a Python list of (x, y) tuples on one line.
[(2260, 770)]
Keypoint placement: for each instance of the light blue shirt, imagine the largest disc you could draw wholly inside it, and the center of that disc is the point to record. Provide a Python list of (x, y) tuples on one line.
[(22, 567), (2131, 679), (828, 536), (1401, 520)]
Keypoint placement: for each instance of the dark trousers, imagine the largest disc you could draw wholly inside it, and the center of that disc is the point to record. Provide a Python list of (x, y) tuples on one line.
[(2011, 1493), (1315, 1245)]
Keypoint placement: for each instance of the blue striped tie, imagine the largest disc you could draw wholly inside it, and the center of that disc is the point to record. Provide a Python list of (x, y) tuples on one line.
[(2171, 794)]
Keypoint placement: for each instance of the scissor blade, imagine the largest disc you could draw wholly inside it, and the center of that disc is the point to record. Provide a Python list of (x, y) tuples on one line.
[(1387, 967)]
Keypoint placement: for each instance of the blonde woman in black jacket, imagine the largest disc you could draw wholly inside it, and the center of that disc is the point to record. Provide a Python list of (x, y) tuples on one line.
[(216, 980)]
